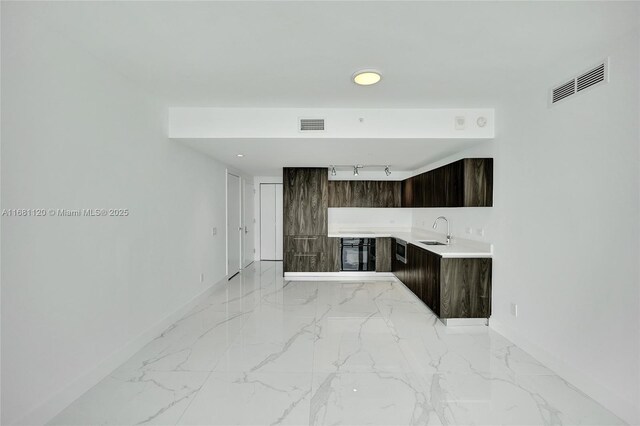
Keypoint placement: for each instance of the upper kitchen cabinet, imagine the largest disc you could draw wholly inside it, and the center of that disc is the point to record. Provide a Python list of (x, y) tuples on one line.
[(464, 183), (305, 199), (364, 193)]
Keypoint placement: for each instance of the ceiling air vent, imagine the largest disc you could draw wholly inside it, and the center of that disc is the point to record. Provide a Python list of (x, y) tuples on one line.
[(596, 75), (311, 124)]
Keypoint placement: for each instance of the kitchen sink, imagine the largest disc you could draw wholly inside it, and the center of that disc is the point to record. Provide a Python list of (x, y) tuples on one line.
[(432, 243)]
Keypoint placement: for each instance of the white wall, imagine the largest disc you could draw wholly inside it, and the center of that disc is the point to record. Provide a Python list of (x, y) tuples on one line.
[(565, 224), (256, 182), (569, 211), (77, 290)]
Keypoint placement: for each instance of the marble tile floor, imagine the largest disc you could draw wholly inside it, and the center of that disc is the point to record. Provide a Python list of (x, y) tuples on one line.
[(265, 351)]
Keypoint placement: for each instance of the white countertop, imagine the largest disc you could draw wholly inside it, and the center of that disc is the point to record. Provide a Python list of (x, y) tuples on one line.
[(458, 247)]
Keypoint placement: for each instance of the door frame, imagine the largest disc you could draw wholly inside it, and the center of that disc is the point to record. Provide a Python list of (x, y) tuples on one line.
[(248, 221), (240, 207)]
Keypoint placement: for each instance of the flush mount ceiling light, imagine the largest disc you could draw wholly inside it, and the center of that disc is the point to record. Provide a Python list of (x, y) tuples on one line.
[(239, 155), (366, 77)]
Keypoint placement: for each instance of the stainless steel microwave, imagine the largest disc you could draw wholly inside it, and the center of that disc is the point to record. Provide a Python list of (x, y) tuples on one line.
[(401, 250)]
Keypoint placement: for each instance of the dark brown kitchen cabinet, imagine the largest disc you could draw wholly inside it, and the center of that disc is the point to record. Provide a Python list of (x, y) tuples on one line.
[(305, 199), (431, 284), (463, 183), (465, 288), (304, 262), (450, 287), (307, 248), (397, 266), (364, 193), (311, 253), (383, 255), (334, 262), (414, 275)]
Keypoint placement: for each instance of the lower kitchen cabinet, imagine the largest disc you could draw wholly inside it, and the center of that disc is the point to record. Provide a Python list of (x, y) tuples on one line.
[(334, 261), (304, 262), (450, 287), (397, 267), (465, 288), (311, 253), (383, 255)]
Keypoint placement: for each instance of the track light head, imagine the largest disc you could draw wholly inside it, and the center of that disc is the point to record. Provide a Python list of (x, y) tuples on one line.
[(333, 171), (355, 170), (387, 171)]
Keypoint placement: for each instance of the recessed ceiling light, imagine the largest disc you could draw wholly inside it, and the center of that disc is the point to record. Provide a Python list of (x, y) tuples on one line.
[(240, 155), (366, 77)]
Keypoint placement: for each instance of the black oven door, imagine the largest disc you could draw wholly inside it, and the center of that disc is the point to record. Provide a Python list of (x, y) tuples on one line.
[(358, 254)]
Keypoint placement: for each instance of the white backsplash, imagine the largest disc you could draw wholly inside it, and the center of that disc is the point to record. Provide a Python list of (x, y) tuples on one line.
[(358, 218)]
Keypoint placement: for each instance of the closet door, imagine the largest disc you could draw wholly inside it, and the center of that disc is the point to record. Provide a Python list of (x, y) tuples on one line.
[(268, 222), (279, 230)]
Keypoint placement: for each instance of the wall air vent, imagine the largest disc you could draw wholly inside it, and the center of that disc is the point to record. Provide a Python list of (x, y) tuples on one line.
[(311, 125), (564, 90), (590, 78)]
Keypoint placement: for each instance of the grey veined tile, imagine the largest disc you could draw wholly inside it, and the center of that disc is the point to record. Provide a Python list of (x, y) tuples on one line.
[(232, 398), (154, 397)]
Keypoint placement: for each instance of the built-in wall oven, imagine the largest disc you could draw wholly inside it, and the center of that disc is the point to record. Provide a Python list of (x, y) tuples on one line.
[(401, 250), (358, 254)]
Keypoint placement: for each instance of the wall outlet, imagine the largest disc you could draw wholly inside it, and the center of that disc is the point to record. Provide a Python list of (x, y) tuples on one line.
[(214, 231), (201, 278), (469, 230), (480, 231), (514, 309)]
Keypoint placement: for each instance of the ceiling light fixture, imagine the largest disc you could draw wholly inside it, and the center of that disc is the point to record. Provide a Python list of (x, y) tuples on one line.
[(387, 171), (355, 170), (333, 171), (239, 155), (366, 77)]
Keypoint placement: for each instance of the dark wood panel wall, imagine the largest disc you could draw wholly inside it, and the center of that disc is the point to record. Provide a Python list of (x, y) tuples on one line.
[(364, 193)]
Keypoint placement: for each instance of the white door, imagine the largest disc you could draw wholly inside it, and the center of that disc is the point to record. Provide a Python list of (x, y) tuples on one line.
[(271, 230), (267, 221), (233, 224), (248, 235)]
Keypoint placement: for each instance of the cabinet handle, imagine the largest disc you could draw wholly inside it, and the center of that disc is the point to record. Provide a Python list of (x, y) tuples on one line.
[(305, 238), (304, 255)]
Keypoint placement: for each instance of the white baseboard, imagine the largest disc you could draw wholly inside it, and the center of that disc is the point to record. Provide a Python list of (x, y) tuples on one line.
[(626, 410), (456, 322), (55, 404), (340, 276)]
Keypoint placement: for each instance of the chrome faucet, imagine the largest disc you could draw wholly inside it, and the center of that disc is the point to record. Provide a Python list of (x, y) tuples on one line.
[(435, 225)]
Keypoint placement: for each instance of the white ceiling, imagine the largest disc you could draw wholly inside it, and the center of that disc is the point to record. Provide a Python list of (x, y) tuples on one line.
[(302, 54)]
